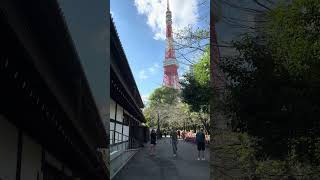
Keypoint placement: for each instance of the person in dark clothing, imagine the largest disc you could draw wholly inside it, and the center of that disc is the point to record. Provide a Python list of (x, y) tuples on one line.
[(178, 133), (200, 140), (153, 141)]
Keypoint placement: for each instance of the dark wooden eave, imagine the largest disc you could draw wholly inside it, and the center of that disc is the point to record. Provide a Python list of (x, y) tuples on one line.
[(121, 66), (54, 66), (118, 93), (41, 28), (123, 86)]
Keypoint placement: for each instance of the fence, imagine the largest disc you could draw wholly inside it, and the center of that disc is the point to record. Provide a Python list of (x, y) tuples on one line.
[(191, 137)]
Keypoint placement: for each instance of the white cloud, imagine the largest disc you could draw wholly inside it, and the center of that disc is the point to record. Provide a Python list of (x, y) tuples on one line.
[(154, 68), (146, 73), (184, 13), (142, 74), (145, 98), (151, 69)]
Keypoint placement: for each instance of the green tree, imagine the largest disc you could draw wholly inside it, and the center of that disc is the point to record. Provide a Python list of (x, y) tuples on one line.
[(196, 89), (163, 95), (164, 104), (202, 69), (196, 85), (273, 92), (294, 38)]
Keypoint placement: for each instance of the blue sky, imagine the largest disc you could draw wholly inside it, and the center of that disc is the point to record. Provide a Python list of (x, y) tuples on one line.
[(141, 27)]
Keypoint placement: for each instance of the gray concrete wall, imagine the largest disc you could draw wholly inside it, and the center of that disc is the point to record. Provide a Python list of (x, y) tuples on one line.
[(88, 24), (234, 19), (8, 149), (30, 159)]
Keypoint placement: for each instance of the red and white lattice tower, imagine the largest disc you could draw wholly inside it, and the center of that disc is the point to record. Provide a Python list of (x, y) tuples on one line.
[(170, 78)]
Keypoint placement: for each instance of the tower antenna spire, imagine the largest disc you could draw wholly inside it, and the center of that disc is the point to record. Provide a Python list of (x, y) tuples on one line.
[(170, 64)]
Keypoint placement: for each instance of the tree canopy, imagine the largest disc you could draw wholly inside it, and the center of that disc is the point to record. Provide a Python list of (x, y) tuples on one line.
[(165, 95), (196, 85), (274, 86), (164, 104), (196, 89), (294, 37)]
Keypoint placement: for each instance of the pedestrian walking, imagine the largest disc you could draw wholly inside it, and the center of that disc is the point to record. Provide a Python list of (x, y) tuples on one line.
[(153, 141), (174, 141), (178, 133), (200, 140)]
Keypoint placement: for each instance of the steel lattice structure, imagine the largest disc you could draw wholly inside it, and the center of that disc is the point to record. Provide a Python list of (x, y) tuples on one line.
[(170, 78)]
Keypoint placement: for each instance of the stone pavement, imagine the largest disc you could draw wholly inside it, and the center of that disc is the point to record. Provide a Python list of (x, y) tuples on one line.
[(163, 166)]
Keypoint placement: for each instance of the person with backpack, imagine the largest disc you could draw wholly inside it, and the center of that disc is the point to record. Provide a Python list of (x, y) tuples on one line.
[(200, 141)]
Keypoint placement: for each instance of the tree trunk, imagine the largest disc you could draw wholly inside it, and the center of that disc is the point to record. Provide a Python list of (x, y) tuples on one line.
[(205, 124)]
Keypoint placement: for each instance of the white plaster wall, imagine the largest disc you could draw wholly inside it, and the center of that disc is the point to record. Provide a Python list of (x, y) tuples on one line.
[(111, 126), (8, 149), (111, 138), (126, 131), (111, 131), (112, 109), (119, 113), (31, 159), (119, 130)]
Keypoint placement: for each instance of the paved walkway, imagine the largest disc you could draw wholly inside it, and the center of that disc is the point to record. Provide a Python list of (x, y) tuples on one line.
[(163, 166)]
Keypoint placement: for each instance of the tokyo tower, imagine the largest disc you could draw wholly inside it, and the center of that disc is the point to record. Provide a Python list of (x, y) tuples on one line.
[(170, 64)]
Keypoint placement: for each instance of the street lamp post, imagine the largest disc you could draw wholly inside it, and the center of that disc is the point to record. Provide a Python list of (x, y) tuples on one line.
[(158, 130)]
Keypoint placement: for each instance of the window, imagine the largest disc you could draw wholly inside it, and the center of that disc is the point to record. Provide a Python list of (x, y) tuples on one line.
[(119, 129)]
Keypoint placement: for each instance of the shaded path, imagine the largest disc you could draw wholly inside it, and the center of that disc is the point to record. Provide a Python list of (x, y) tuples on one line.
[(163, 166)]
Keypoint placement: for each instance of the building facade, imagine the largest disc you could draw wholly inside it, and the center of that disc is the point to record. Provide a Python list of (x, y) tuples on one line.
[(235, 18), (127, 132), (50, 127)]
